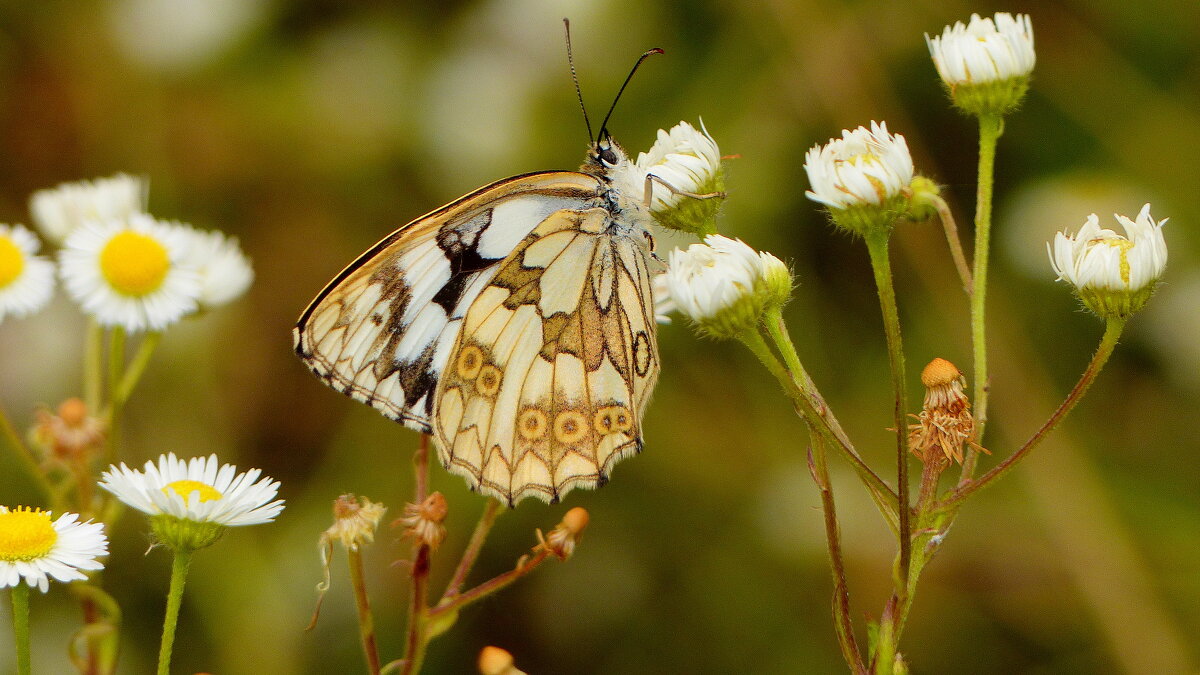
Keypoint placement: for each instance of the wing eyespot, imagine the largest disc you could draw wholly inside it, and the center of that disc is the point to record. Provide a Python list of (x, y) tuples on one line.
[(488, 381), (470, 362), (570, 427)]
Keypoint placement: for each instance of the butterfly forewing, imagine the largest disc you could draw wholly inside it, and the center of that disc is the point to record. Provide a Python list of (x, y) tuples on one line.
[(552, 368), (381, 332)]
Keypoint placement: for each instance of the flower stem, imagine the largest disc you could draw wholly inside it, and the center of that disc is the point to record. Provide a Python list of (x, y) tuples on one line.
[(116, 368), (421, 469), (93, 360), (179, 571), (526, 565), (841, 596), (1112, 332), (952, 239), (491, 511), (877, 247), (18, 447), (990, 128), (20, 609), (414, 648), (133, 373), (811, 406), (366, 621)]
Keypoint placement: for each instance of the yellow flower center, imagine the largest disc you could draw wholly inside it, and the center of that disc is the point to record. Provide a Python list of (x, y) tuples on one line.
[(134, 264), (26, 534), (12, 261), (184, 488), (1123, 245)]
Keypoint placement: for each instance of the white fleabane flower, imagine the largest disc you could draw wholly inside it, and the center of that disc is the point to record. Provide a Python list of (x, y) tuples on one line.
[(664, 304), (59, 211), (862, 177), (1113, 274), (985, 64), (687, 159), (34, 549), (225, 271), (26, 279), (190, 503), (131, 273), (724, 286)]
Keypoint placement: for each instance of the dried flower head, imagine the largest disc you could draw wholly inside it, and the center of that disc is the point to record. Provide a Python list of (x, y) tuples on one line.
[(497, 661), (354, 521), (72, 433), (423, 522), (945, 422), (562, 539)]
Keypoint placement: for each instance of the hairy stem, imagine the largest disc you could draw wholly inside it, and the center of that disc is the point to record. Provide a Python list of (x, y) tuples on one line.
[(990, 128), (179, 571), (877, 247), (955, 244), (20, 610), (491, 511), (366, 621)]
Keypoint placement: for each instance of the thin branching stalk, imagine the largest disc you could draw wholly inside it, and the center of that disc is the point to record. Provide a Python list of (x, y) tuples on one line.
[(116, 370), (990, 128), (1112, 333), (179, 572), (526, 565), (20, 610), (416, 642), (877, 247), (366, 621), (812, 407), (133, 373), (491, 511), (955, 244), (843, 624), (23, 453), (421, 466)]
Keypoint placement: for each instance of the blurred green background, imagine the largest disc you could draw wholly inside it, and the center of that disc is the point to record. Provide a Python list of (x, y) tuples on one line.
[(311, 129)]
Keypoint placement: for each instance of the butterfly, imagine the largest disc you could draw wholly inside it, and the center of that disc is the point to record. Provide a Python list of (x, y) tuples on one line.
[(515, 325)]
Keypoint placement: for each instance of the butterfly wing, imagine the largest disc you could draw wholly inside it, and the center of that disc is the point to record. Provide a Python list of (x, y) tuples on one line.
[(545, 387), (381, 331)]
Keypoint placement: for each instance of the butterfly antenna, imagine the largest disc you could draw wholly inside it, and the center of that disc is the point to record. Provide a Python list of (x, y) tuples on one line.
[(575, 77), (643, 57)]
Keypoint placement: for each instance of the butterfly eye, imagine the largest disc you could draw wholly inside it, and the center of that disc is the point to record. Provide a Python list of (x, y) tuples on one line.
[(608, 156)]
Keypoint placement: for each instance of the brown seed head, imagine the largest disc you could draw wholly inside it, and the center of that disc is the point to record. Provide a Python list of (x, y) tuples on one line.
[(71, 435), (939, 373), (423, 522), (73, 412), (562, 539), (496, 661), (945, 423)]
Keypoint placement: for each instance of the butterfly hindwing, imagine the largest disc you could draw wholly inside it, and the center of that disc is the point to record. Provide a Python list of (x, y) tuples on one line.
[(552, 368), (381, 332)]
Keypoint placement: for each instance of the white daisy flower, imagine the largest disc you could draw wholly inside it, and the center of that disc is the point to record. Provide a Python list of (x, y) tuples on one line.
[(225, 271), (724, 286), (26, 280), (131, 273), (198, 490), (34, 549), (664, 304), (863, 168), (986, 64), (687, 159), (60, 211), (1113, 274), (984, 50)]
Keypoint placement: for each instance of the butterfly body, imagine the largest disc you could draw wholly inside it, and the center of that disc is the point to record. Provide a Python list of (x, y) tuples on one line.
[(515, 325)]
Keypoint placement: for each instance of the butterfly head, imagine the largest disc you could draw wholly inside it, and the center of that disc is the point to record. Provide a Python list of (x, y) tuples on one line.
[(604, 157)]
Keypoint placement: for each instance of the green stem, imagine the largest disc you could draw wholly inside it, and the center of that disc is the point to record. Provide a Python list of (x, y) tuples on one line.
[(525, 566), (491, 511), (20, 608), (990, 128), (807, 399), (366, 621), (955, 244), (179, 571), (1112, 333), (116, 368), (18, 447), (877, 247), (133, 373), (843, 625), (93, 365)]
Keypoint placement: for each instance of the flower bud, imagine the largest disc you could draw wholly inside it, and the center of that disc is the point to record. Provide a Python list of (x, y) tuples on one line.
[(724, 286), (1114, 275), (862, 178), (986, 64)]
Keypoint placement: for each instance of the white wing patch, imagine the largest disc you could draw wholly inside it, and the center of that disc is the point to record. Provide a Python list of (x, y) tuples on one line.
[(553, 366)]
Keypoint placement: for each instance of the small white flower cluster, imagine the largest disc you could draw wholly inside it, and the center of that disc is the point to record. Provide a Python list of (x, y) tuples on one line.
[(865, 167), (687, 159), (724, 286), (122, 265), (1113, 274), (985, 64)]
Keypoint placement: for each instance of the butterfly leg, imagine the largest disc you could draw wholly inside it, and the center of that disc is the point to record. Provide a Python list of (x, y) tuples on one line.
[(651, 179)]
